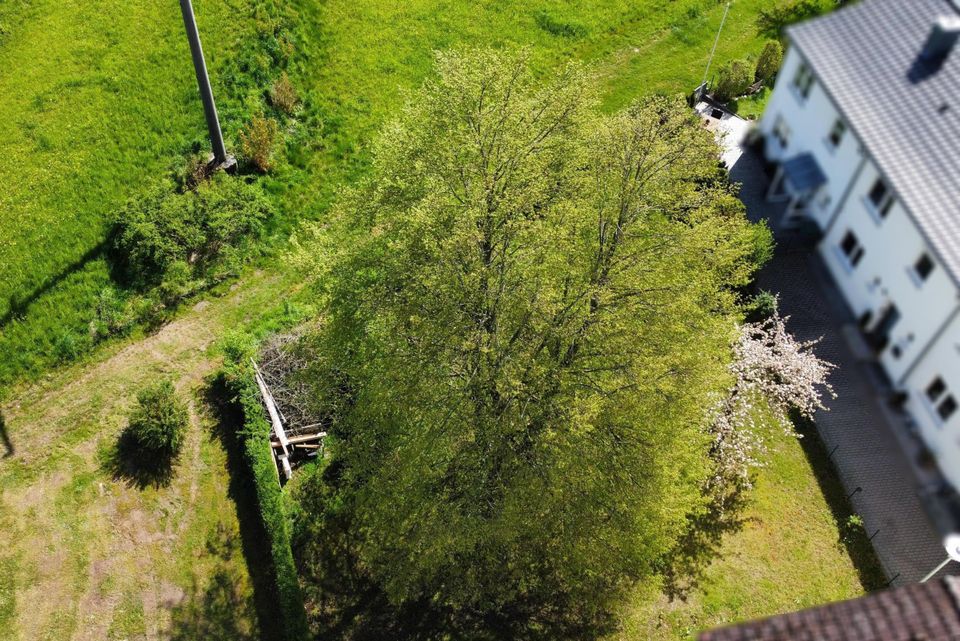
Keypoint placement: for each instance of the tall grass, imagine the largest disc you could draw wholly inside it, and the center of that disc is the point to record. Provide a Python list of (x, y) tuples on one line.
[(100, 98)]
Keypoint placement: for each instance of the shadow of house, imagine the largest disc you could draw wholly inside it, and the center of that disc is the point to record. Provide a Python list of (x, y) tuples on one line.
[(854, 539)]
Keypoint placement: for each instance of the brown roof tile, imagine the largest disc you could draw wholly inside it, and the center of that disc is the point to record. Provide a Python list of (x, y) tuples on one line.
[(917, 612)]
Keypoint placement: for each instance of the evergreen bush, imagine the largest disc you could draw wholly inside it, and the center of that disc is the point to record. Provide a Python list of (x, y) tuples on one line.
[(158, 421)]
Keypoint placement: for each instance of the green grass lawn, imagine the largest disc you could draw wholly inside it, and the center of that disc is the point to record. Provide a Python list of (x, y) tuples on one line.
[(103, 101), (99, 99), (751, 107), (795, 551)]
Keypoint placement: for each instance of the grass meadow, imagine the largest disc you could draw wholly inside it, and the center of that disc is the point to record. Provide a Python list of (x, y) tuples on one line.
[(97, 100), (102, 101)]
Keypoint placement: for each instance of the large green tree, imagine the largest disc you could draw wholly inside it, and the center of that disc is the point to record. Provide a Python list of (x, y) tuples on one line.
[(530, 308)]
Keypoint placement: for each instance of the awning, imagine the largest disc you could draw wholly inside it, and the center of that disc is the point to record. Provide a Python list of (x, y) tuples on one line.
[(802, 175)]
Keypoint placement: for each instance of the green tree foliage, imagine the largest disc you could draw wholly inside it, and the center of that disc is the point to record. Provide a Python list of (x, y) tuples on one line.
[(772, 20), (768, 64), (528, 316), (169, 237), (733, 80), (158, 421)]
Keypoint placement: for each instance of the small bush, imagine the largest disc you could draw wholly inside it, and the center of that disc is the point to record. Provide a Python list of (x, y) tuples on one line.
[(196, 169), (158, 421), (257, 142), (732, 81), (762, 306), (768, 64), (283, 95), (68, 346), (114, 315), (184, 241)]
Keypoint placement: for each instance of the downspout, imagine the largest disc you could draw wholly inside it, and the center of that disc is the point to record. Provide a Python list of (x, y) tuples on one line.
[(846, 193), (926, 348)]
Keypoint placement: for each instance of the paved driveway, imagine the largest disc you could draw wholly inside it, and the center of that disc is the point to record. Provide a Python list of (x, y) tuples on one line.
[(858, 428)]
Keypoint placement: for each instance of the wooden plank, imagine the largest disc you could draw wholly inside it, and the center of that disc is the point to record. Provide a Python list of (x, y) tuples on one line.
[(271, 407), (274, 419), (306, 438)]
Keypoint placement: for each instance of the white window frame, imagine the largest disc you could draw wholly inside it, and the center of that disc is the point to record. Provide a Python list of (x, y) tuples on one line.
[(781, 132)]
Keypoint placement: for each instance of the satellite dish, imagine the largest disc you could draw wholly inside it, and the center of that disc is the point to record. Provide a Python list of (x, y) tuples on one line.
[(952, 545)]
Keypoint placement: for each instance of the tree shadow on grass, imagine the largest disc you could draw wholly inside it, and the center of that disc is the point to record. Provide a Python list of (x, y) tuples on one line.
[(18, 306), (854, 539), (5, 438), (127, 462), (220, 610), (253, 537)]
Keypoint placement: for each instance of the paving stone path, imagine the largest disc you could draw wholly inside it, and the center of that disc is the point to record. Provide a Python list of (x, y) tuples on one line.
[(858, 428)]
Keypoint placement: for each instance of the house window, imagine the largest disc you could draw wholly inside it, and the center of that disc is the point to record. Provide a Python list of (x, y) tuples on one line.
[(836, 134), (923, 266), (944, 404), (803, 80), (781, 132), (947, 407), (881, 198), (851, 248)]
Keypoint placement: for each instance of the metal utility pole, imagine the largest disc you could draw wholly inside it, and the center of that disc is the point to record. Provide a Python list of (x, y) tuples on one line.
[(206, 93)]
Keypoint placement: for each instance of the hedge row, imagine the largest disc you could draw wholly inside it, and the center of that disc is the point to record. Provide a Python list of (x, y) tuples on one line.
[(255, 439)]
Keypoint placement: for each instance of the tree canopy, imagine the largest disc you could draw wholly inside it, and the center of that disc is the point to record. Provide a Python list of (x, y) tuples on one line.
[(530, 309)]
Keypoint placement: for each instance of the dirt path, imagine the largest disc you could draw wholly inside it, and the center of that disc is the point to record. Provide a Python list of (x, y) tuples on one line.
[(89, 555)]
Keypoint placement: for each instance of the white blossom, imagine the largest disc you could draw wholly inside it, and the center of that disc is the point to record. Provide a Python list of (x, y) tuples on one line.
[(769, 367)]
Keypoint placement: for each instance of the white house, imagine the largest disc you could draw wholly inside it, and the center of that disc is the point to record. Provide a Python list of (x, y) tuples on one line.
[(864, 123)]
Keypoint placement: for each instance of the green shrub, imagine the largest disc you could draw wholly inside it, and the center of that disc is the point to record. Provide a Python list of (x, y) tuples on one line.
[(114, 314), (158, 421), (258, 456), (257, 142), (772, 20), (768, 64), (762, 306), (172, 238), (283, 95), (732, 81), (68, 346)]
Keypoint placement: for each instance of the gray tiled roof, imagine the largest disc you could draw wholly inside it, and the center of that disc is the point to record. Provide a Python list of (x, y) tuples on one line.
[(867, 58)]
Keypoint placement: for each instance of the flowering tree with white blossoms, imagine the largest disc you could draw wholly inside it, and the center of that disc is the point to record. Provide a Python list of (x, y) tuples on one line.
[(770, 367), (774, 373)]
